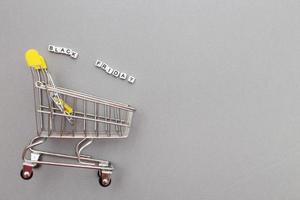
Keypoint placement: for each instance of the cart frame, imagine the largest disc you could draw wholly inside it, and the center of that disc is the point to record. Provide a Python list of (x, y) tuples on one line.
[(86, 118)]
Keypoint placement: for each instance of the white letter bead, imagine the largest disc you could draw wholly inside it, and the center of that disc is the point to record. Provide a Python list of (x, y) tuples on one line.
[(116, 73), (109, 70), (104, 66), (51, 48), (131, 79), (74, 54), (98, 63), (68, 51), (123, 76), (57, 49), (63, 50)]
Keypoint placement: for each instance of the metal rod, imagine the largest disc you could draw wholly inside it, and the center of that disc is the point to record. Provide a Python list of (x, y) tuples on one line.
[(84, 117), (83, 97)]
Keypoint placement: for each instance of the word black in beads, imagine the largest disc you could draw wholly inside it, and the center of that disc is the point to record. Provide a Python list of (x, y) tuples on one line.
[(62, 50)]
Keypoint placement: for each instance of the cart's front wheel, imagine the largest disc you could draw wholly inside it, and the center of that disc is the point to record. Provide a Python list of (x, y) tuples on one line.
[(104, 179), (26, 175)]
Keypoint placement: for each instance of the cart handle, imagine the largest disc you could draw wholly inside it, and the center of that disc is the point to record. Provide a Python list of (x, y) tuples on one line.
[(35, 60), (43, 63)]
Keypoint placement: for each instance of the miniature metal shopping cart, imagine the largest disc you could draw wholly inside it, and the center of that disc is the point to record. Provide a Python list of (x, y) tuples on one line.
[(62, 113)]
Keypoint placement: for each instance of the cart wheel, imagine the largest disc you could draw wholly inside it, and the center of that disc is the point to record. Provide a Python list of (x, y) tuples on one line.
[(26, 175), (104, 179), (104, 182)]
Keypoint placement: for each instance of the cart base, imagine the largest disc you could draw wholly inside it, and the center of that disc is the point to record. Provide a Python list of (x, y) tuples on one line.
[(103, 167)]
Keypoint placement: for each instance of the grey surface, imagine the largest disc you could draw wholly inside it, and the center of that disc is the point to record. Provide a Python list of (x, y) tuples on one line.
[(217, 96)]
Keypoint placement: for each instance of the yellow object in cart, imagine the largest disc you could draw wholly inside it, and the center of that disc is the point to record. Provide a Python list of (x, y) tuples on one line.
[(67, 108)]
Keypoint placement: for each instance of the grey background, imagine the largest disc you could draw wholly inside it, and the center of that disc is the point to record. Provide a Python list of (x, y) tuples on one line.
[(217, 96)]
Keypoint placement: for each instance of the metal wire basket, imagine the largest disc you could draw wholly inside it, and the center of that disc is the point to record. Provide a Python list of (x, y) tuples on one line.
[(62, 113)]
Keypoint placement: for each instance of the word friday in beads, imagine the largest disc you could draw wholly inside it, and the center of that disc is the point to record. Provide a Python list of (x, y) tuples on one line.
[(114, 72), (62, 50)]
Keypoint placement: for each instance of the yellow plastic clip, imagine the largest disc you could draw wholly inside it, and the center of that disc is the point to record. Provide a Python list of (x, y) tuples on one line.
[(67, 108), (33, 59), (43, 63)]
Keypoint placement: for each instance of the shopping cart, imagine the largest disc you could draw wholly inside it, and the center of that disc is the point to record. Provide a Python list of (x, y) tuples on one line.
[(62, 113)]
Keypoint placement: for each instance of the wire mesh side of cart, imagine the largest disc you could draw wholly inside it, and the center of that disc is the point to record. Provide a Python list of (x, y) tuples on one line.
[(91, 117)]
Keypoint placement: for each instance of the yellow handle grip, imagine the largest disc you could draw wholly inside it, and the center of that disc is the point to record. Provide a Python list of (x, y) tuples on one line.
[(35, 60), (43, 63)]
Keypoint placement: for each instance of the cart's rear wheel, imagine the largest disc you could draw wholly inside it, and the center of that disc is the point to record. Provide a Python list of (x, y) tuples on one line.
[(104, 182), (26, 175), (104, 178)]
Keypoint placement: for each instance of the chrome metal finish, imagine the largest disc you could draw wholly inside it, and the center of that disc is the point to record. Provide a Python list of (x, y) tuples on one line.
[(91, 118)]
